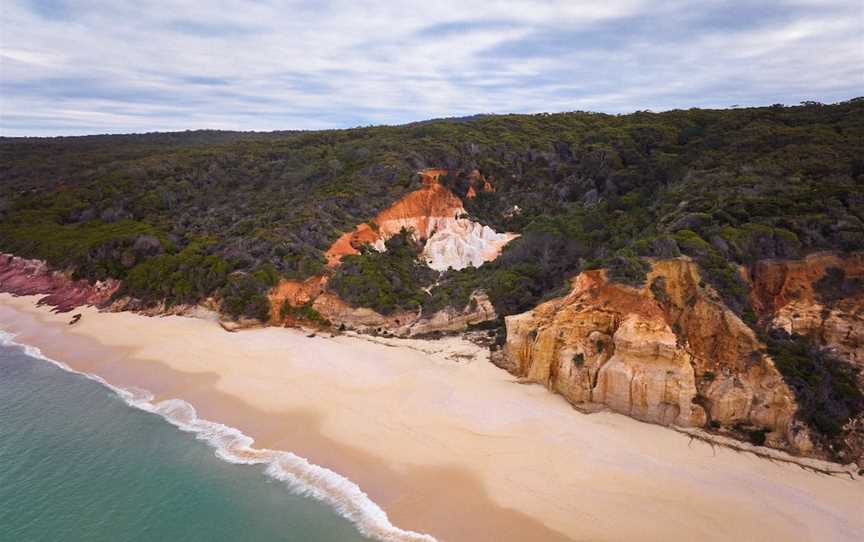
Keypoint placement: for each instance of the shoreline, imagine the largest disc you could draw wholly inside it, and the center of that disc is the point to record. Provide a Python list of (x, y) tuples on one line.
[(449, 448), (233, 446)]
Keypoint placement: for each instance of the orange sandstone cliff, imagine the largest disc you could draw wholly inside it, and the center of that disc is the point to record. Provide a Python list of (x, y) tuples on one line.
[(669, 353), (785, 295), (417, 210), (434, 213)]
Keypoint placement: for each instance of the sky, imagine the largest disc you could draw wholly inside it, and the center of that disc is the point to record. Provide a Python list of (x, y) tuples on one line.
[(112, 66)]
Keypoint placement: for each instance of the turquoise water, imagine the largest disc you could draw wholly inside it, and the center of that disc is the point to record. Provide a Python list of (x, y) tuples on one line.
[(78, 464)]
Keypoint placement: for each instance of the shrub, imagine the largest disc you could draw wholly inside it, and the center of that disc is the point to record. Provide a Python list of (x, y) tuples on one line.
[(628, 268), (304, 312), (834, 285), (245, 294), (384, 281), (826, 387), (186, 277)]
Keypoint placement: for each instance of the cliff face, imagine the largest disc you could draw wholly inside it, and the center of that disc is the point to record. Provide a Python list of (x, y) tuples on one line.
[(294, 292), (820, 297), (668, 353), (20, 276), (329, 306), (432, 212)]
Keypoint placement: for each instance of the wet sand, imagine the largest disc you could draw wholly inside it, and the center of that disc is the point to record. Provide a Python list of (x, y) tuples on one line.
[(447, 446)]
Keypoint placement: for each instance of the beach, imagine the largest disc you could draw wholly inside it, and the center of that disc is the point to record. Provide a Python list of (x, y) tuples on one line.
[(445, 443)]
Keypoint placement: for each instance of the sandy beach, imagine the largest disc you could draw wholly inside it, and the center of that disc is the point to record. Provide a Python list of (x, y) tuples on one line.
[(443, 441)]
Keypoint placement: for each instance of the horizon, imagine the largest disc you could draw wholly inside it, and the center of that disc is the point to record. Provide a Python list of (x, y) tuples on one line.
[(463, 118), (70, 68)]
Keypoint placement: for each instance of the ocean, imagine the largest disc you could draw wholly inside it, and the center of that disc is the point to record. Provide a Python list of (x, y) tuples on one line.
[(77, 463)]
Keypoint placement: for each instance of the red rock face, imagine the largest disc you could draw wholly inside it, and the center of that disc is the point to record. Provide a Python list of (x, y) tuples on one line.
[(432, 213), (296, 293), (19, 276), (667, 353), (784, 295), (777, 283), (417, 210)]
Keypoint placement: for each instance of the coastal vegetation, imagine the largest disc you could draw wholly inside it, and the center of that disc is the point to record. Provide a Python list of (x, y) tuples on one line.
[(182, 217), (384, 281), (825, 385)]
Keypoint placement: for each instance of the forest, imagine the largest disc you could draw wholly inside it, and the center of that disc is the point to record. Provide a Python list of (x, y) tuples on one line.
[(183, 216)]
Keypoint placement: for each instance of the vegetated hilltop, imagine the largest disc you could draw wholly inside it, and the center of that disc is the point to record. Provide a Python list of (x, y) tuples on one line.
[(181, 217)]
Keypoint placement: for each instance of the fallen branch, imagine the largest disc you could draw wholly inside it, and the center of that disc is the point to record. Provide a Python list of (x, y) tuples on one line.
[(806, 463)]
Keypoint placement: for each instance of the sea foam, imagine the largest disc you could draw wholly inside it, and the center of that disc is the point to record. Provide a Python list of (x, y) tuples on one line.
[(232, 445)]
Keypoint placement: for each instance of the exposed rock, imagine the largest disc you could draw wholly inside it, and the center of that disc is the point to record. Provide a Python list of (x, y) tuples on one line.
[(820, 297), (459, 242), (668, 353), (20, 276), (296, 293), (405, 323), (363, 319), (242, 323), (785, 294), (433, 214), (478, 310), (648, 377), (436, 216)]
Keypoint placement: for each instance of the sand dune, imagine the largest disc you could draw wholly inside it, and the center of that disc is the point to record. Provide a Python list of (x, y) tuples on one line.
[(446, 443)]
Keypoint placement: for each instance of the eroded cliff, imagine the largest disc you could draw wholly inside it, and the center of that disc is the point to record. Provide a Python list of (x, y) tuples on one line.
[(20, 276), (668, 353), (315, 306), (820, 297), (435, 215)]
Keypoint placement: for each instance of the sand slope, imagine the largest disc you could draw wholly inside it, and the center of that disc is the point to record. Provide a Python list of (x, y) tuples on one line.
[(449, 445)]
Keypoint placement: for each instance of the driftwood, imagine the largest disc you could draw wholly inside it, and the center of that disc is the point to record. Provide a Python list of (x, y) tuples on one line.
[(806, 463)]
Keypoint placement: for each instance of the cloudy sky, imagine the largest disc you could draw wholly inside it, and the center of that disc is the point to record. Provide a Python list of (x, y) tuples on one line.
[(100, 66)]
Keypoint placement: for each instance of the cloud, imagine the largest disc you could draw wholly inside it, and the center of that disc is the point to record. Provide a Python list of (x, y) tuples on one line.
[(69, 67)]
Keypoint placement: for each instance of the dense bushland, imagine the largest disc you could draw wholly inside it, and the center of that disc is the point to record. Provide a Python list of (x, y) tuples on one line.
[(585, 190)]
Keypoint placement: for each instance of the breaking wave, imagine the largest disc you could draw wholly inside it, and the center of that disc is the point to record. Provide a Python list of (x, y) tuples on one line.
[(232, 445)]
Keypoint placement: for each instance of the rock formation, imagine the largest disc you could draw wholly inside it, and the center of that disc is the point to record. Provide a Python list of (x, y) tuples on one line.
[(20, 276), (294, 292), (785, 295), (449, 320), (340, 314), (668, 353), (459, 242), (434, 214)]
